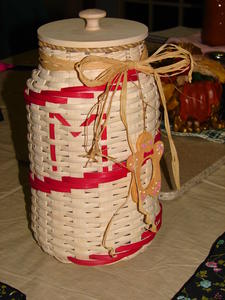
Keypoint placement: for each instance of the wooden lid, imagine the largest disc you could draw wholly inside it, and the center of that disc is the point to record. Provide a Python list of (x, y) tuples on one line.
[(92, 30)]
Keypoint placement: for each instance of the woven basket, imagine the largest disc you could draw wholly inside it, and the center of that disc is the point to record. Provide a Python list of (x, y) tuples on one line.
[(75, 204)]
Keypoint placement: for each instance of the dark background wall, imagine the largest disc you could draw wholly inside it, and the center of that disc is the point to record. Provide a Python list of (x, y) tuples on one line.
[(19, 20)]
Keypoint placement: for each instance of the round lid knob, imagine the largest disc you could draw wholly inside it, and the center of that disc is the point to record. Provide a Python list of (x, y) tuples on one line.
[(92, 18)]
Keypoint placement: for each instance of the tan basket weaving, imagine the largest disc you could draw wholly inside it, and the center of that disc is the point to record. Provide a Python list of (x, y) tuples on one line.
[(83, 211)]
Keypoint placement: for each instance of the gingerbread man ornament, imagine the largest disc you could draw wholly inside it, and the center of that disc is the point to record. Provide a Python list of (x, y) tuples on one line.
[(146, 149)]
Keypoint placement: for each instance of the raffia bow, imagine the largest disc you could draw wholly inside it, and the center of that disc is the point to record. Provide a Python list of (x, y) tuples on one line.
[(115, 71)]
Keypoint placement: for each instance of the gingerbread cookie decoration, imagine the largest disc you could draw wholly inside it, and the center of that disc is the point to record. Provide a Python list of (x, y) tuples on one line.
[(146, 149)]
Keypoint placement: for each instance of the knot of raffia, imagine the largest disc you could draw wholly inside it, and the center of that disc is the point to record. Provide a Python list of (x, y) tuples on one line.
[(115, 74)]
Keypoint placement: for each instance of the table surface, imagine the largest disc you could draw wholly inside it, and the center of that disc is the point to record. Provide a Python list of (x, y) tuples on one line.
[(191, 223)]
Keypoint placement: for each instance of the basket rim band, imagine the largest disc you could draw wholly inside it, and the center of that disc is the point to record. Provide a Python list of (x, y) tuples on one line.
[(91, 50)]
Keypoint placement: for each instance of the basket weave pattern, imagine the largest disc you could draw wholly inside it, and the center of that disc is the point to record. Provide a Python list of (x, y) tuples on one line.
[(72, 201)]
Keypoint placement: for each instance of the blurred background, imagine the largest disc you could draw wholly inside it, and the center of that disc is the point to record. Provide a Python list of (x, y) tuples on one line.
[(19, 20)]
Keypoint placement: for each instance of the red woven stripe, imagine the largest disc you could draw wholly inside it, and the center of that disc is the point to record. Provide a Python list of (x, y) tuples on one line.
[(75, 134), (90, 181), (52, 131), (52, 151), (75, 89), (104, 148), (89, 120), (104, 134), (45, 98), (99, 262), (32, 100), (104, 152), (62, 120)]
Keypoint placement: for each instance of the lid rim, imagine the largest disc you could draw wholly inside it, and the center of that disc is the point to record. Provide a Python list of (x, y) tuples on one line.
[(92, 45)]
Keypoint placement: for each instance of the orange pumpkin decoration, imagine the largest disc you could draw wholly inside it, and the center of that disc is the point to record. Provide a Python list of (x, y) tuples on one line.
[(197, 100)]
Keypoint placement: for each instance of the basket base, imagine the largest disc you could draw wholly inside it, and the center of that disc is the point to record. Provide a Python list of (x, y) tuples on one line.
[(122, 252)]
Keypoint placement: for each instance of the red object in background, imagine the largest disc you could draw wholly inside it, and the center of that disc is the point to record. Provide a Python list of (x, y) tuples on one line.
[(213, 28), (4, 66), (197, 99)]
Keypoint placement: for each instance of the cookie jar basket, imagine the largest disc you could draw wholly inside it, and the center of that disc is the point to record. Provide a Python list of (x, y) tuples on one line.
[(83, 205)]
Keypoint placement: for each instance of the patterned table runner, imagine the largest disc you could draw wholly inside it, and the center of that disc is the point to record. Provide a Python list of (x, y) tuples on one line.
[(208, 281), (9, 293)]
